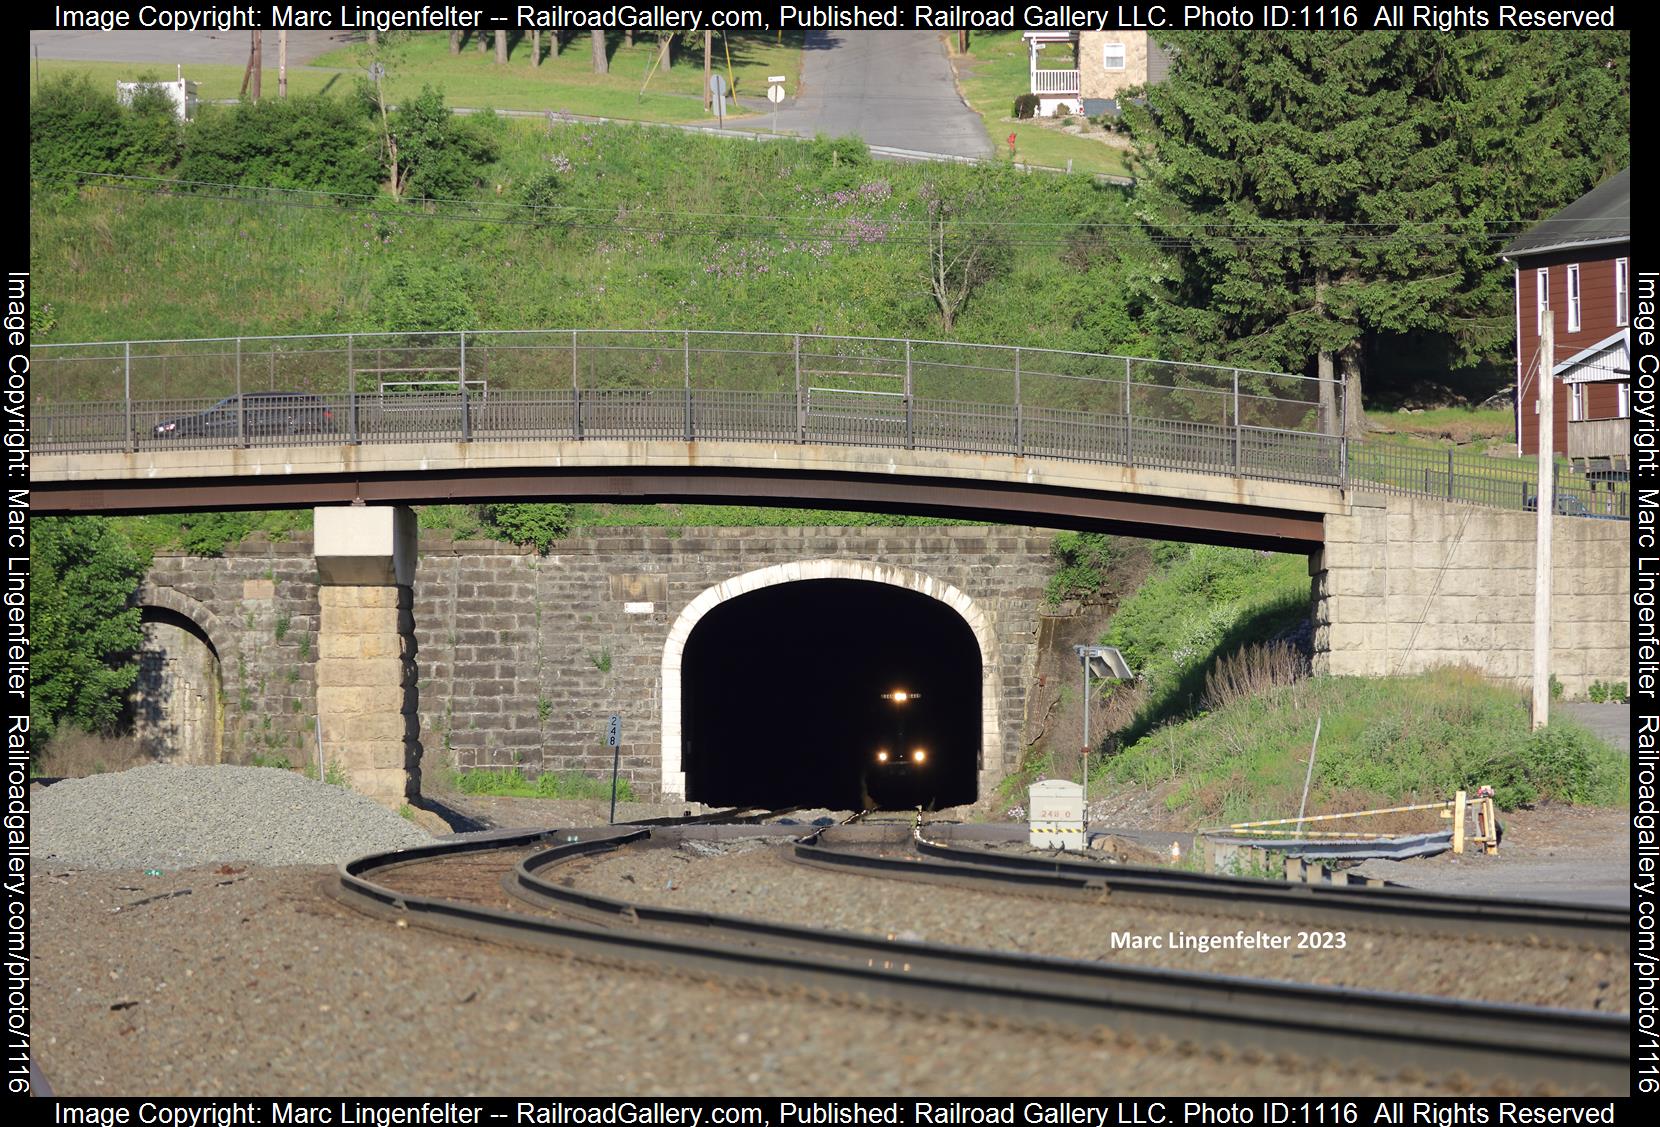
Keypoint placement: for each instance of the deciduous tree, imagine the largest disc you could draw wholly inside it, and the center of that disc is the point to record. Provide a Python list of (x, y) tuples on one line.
[(83, 622)]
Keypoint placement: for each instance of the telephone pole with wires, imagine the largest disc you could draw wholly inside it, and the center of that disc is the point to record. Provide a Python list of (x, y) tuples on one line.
[(1545, 502)]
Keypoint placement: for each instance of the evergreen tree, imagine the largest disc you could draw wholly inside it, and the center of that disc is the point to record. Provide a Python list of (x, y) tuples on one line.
[(1318, 189)]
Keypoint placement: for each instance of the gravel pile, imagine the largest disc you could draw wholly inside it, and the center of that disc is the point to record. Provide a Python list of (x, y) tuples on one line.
[(162, 817)]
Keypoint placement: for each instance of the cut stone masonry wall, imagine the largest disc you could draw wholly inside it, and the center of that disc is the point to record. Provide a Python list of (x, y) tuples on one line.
[(1406, 584)]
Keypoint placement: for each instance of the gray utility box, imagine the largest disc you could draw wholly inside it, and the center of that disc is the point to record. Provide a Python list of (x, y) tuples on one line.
[(1056, 813)]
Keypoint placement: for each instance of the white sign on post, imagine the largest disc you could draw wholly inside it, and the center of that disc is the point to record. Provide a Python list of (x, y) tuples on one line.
[(775, 94)]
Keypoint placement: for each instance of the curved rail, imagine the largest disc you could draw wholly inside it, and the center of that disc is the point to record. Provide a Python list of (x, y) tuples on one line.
[(1576, 1051), (1392, 907)]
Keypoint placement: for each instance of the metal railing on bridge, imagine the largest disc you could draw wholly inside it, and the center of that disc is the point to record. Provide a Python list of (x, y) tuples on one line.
[(692, 385)]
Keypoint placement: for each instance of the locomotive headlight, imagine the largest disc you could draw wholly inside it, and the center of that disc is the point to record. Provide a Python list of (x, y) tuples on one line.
[(881, 757), (919, 755)]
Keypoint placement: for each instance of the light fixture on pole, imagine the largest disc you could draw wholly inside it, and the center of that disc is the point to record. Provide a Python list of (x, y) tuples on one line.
[(1108, 664)]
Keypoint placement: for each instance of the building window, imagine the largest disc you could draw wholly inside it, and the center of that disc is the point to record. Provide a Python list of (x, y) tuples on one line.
[(1541, 290), (1112, 56), (1622, 291), (1625, 401), (1576, 406), (1573, 298)]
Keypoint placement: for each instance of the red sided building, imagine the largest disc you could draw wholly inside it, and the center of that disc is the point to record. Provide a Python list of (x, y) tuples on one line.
[(1578, 264)]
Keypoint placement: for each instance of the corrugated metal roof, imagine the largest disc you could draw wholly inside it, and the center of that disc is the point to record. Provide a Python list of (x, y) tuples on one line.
[(1600, 216), (1608, 359)]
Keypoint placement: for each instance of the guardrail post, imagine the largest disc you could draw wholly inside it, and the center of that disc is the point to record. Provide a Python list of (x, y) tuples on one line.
[(686, 370), (800, 408), (1019, 422), (910, 421), (1238, 465), (466, 407), (351, 391), (576, 392), (241, 403), (1449, 474), (1129, 434), (127, 393)]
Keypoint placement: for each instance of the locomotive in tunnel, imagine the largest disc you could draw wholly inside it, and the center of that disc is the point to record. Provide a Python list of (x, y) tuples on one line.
[(791, 696)]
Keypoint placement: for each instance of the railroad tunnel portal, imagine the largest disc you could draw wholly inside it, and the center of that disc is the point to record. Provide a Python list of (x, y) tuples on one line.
[(829, 683)]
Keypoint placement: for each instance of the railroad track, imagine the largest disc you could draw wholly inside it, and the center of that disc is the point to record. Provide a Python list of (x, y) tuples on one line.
[(1576, 1052), (1393, 908)]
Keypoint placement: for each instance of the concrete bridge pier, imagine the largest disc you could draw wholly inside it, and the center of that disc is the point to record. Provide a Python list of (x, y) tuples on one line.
[(367, 693)]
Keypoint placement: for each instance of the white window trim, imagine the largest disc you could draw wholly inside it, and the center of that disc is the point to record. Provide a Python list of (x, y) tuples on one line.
[(1541, 297), (1106, 57), (1573, 298), (1624, 408), (1576, 404), (1622, 291)]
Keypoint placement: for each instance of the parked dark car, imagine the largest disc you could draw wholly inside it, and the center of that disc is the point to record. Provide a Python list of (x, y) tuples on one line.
[(262, 413), (1570, 505)]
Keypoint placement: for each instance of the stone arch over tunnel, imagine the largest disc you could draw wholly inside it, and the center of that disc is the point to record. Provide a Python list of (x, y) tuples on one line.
[(973, 617), (177, 702)]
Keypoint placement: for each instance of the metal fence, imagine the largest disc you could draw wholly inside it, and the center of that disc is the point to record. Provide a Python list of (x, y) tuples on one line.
[(753, 387)]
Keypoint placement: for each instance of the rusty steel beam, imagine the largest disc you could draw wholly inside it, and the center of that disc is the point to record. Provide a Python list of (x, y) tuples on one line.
[(1123, 513)]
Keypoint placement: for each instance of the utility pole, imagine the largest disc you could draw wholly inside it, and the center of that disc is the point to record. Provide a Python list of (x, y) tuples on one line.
[(708, 52), (1545, 504), (282, 64), (259, 62)]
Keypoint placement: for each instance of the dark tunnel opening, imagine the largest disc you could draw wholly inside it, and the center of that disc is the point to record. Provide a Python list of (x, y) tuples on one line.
[(789, 699)]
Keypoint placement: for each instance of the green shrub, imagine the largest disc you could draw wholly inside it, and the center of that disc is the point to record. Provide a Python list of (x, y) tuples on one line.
[(420, 294), (1084, 558), (309, 142), (75, 127), (1026, 106), (541, 195), (440, 156), (531, 526)]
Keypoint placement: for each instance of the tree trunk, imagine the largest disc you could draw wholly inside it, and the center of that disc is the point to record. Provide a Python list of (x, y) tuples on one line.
[(1348, 361), (1328, 383), (536, 48), (501, 48), (455, 43), (628, 38), (601, 66), (708, 57), (668, 49), (483, 43)]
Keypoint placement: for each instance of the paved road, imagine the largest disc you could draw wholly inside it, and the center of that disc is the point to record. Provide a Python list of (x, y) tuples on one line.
[(1610, 721), (886, 87), (230, 47)]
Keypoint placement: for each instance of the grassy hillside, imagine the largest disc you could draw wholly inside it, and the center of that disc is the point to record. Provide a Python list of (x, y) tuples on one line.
[(1382, 741), (657, 229)]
